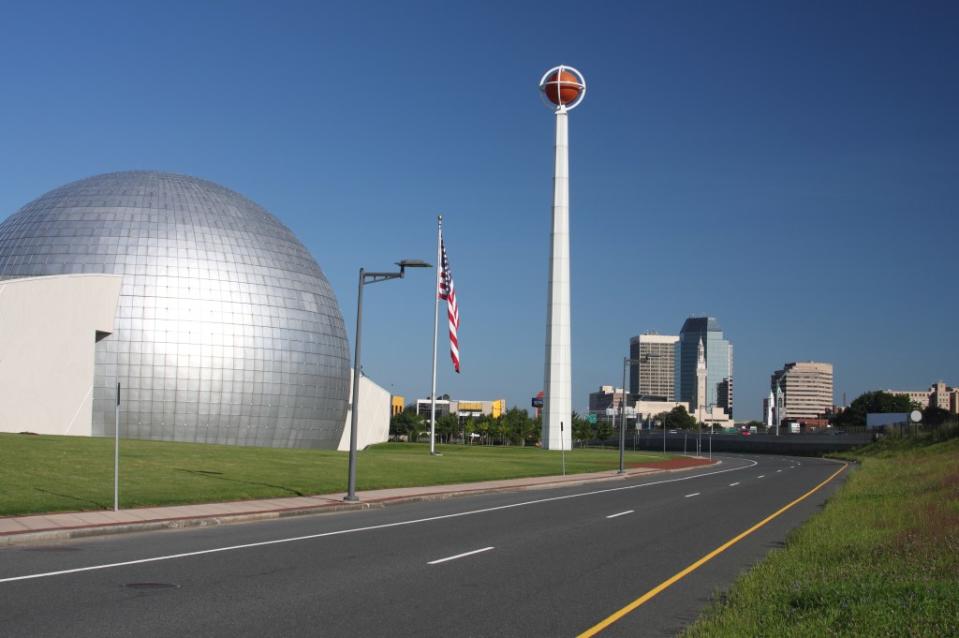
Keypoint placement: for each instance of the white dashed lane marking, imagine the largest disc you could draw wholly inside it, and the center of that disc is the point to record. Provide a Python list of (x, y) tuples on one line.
[(620, 514), (463, 555)]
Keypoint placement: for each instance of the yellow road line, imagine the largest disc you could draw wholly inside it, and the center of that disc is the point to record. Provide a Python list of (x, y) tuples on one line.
[(609, 620)]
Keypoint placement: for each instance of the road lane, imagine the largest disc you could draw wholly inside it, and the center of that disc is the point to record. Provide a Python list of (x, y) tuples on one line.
[(132, 548), (559, 565)]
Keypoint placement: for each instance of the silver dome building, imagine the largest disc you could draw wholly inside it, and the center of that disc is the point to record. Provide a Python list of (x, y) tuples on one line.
[(227, 331)]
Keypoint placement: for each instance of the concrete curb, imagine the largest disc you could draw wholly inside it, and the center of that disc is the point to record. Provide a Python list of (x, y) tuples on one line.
[(108, 529)]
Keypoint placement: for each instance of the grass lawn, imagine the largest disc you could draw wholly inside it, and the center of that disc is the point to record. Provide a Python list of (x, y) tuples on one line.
[(59, 473), (882, 559)]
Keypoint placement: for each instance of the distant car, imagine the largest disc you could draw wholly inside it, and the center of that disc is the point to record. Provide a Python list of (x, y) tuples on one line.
[(745, 432)]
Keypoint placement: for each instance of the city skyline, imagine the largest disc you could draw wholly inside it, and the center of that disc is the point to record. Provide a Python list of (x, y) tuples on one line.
[(788, 169)]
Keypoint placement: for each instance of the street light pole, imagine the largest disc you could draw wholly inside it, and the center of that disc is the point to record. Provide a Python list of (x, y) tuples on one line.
[(699, 432), (622, 411), (366, 278), (622, 420), (354, 403)]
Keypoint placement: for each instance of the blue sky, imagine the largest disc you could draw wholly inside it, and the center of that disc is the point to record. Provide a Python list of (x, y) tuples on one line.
[(791, 168)]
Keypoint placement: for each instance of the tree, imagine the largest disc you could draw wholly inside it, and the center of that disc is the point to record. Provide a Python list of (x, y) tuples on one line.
[(482, 425), (498, 429), (513, 428), (469, 426), (582, 429), (679, 419), (529, 431), (871, 403), (604, 430), (447, 425), (417, 428), (934, 416), (406, 423)]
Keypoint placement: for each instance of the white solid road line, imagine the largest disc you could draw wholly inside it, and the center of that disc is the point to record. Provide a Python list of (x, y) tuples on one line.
[(734, 484), (368, 528), (692, 495), (463, 555), (620, 514)]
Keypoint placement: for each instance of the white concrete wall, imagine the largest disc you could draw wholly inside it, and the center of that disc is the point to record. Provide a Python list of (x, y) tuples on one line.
[(647, 409), (373, 423), (48, 329)]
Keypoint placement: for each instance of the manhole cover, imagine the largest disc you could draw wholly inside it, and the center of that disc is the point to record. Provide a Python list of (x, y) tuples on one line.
[(152, 586)]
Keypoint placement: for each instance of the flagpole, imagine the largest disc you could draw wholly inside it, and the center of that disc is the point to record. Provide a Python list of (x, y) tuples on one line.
[(436, 321)]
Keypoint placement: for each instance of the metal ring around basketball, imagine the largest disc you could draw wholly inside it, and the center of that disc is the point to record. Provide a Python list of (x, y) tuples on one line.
[(558, 70)]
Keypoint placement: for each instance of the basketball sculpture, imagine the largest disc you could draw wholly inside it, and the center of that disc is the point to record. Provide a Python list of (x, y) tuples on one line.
[(563, 86)]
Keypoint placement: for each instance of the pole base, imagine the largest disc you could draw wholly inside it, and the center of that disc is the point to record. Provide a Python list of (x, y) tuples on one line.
[(435, 454), (351, 499)]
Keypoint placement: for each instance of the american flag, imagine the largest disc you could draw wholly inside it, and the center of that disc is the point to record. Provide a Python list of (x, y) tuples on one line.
[(448, 292)]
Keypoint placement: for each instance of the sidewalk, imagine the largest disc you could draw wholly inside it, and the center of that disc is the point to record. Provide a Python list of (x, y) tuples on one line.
[(62, 526)]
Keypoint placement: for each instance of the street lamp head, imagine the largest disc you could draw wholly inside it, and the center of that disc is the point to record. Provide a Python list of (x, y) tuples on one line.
[(412, 263)]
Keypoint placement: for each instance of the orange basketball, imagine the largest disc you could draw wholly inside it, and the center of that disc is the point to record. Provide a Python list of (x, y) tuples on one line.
[(562, 89)]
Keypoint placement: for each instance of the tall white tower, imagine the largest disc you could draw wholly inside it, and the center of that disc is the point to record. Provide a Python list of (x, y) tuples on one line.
[(701, 381), (770, 409), (564, 88), (780, 404)]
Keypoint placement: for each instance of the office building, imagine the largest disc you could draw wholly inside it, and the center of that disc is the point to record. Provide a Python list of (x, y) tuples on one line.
[(718, 352), (461, 408), (605, 398), (806, 387), (652, 371), (938, 394)]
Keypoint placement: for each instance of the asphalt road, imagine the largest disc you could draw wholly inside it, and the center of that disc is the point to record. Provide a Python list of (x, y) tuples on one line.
[(537, 563)]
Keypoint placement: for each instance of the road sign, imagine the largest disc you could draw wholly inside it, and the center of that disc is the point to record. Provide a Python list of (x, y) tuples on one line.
[(915, 416), (537, 402), (591, 418)]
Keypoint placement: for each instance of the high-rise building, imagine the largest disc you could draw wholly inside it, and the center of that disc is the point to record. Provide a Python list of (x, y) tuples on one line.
[(652, 372), (806, 388), (719, 363)]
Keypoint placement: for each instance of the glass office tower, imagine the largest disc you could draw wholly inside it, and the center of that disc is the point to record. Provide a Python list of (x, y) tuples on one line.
[(719, 363)]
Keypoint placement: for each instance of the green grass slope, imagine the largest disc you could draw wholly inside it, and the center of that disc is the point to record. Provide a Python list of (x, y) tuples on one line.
[(882, 558)]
